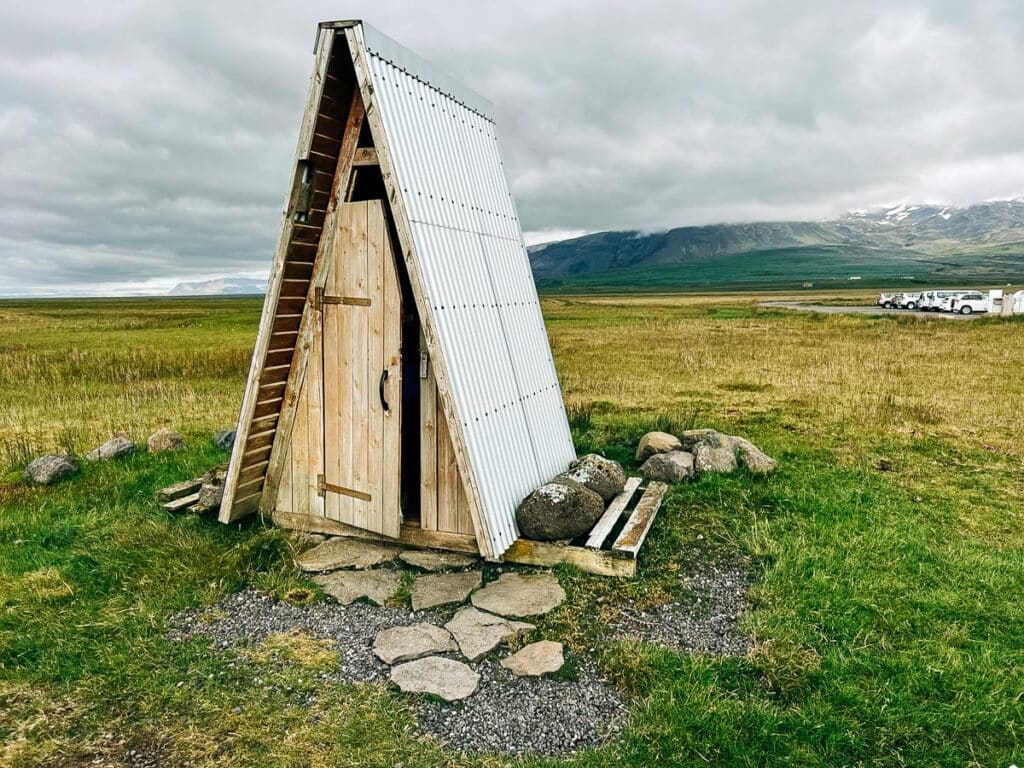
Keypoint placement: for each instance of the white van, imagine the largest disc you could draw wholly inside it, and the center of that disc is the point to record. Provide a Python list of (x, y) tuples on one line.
[(931, 301)]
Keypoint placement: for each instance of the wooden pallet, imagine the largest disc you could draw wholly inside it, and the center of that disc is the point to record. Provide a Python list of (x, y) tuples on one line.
[(601, 553)]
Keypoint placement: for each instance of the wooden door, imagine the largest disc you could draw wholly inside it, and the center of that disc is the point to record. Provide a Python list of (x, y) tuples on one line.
[(362, 374)]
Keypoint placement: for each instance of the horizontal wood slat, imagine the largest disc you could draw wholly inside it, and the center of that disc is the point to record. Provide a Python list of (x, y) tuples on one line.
[(639, 523), (611, 515)]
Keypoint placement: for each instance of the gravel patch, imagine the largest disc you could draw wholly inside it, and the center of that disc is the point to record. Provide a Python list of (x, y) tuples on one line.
[(709, 624), (248, 617), (527, 716), (508, 714)]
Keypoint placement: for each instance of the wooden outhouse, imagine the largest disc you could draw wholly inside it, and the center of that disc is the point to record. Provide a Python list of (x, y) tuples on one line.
[(402, 384)]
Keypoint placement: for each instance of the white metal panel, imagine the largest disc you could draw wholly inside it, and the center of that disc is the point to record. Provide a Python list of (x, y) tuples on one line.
[(477, 279)]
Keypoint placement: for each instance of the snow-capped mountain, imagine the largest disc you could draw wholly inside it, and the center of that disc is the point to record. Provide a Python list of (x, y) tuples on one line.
[(223, 286)]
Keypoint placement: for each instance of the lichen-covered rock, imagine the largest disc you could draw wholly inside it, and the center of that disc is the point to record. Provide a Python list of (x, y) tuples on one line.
[(165, 439), (398, 644), (691, 437), (672, 467), (535, 659), (753, 458), (654, 443), (603, 476), (225, 439), (561, 509), (112, 449), (713, 458), (47, 470), (212, 490)]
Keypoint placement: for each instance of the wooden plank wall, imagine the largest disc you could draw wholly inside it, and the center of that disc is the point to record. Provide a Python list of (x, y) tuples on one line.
[(444, 506), (302, 243)]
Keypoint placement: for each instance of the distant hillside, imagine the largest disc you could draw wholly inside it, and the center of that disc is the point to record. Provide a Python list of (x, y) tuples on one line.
[(908, 243), (224, 286)]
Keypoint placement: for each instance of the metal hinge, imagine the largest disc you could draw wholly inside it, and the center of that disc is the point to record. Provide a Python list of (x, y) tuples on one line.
[(322, 487), (320, 299)]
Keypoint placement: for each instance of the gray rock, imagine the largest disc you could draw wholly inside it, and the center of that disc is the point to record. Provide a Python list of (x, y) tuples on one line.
[(165, 439), (535, 659), (443, 588), (47, 470), (479, 633), (714, 459), (212, 490), (654, 443), (437, 561), (561, 509), (348, 586), (398, 644), (514, 594), (691, 437), (225, 439), (114, 448), (603, 476), (451, 680), (335, 554), (753, 458), (672, 467)]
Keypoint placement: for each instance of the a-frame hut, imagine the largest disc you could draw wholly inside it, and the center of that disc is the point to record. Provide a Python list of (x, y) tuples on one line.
[(402, 383)]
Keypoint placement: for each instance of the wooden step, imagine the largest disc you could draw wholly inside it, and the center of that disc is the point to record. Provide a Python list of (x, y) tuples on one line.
[(611, 515), (639, 523), (176, 491)]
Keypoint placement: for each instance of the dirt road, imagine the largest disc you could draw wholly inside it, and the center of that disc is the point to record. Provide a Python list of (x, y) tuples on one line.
[(838, 310)]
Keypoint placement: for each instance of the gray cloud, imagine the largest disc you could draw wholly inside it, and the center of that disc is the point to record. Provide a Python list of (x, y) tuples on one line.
[(145, 143)]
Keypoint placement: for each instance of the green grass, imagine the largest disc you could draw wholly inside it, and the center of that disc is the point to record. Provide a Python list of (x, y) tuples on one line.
[(886, 613)]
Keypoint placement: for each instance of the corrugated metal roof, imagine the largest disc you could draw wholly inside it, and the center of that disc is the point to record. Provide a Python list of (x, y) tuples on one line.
[(477, 279)]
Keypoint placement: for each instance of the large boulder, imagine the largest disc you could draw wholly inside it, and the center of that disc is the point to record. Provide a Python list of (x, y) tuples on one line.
[(672, 467), (753, 458), (112, 449), (165, 439), (47, 470), (691, 437), (715, 458), (603, 476), (561, 509), (654, 443)]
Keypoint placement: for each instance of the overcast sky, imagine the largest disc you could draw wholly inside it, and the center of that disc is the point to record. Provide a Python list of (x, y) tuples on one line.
[(146, 143)]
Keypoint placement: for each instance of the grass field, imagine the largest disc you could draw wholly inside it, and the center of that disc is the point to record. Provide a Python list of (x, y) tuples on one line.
[(888, 550)]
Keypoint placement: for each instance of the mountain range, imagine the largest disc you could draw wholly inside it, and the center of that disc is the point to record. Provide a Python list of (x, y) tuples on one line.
[(982, 243), (222, 286)]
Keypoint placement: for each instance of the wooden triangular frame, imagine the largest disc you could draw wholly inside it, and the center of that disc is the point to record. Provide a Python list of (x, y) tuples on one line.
[(268, 408)]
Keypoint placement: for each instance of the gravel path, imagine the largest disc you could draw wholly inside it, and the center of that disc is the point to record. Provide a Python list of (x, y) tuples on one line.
[(828, 309), (507, 714), (709, 624)]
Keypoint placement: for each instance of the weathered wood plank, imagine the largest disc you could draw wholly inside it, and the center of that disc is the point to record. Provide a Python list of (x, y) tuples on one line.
[(428, 445), (611, 515), (184, 502), (639, 524), (391, 499), (546, 554), (176, 491), (411, 536), (365, 156)]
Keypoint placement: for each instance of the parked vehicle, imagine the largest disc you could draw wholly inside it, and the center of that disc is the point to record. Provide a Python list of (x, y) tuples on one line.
[(908, 300), (966, 303), (886, 300), (932, 300)]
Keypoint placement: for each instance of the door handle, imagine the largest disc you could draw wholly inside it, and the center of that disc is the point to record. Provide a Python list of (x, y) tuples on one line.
[(380, 390)]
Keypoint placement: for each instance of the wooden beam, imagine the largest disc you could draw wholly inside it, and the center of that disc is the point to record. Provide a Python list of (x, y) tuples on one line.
[(365, 156), (229, 510), (400, 215), (611, 515), (307, 326), (546, 553), (411, 536), (639, 524)]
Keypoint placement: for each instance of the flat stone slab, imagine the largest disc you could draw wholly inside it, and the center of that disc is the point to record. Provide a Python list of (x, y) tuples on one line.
[(535, 659), (451, 680), (478, 633), (514, 594), (443, 588), (398, 644), (348, 586), (437, 561), (335, 554)]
